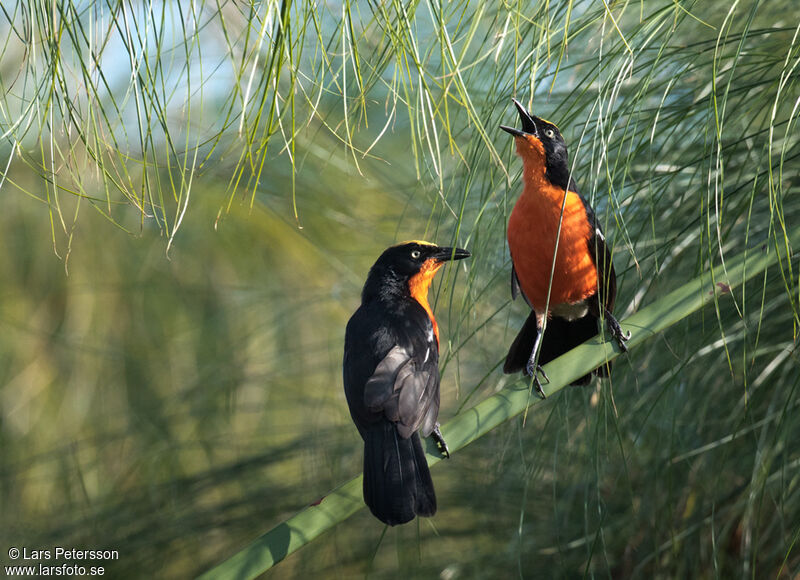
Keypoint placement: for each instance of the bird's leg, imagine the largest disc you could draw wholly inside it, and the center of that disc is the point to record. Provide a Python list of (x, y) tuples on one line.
[(616, 331), (440, 442), (533, 370)]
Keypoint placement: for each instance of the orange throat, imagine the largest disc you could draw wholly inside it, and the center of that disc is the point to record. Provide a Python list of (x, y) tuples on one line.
[(418, 286)]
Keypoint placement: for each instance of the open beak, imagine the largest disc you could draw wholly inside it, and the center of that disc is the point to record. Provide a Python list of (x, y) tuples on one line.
[(528, 123), (445, 254)]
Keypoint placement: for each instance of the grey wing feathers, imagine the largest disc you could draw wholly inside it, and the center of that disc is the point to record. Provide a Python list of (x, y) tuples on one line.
[(404, 391), (380, 386)]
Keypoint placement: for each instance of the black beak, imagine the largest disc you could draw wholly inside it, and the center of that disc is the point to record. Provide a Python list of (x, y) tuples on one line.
[(512, 130), (528, 124), (445, 254)]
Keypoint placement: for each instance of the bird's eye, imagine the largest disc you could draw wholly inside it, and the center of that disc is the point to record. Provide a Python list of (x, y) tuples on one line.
[(549, 133), (415, 254)]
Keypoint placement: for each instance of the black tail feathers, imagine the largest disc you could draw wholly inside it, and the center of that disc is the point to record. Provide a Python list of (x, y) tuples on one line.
[(397, 481), (561, 335)]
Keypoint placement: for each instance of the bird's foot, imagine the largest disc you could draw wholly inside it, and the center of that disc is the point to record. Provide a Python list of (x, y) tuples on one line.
[(440, 442), (535, 371), (616, 332)]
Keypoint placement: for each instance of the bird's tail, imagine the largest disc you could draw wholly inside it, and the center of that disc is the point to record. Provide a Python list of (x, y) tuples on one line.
[(397, 481), (561, 335)]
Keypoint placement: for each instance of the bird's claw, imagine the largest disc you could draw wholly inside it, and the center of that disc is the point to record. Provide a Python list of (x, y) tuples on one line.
[(534, 372), (440, 442), (616, 332), (622, 338)]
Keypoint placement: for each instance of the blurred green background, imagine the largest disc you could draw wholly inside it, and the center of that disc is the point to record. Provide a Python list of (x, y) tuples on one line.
[(192, 197)]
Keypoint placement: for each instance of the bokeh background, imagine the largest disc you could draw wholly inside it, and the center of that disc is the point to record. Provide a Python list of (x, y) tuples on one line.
[(193, 192)]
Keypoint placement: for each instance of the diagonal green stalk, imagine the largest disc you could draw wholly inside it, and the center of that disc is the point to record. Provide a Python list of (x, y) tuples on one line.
[(345, 500)]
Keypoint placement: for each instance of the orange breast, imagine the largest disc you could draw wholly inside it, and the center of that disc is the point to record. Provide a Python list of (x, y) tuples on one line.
[(418, 287), (532, 231)]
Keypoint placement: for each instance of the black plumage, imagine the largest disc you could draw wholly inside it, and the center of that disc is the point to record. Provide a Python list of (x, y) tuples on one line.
[(391, 379)]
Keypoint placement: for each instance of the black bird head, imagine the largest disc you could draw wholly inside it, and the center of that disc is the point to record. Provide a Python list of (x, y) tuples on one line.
[(541, 146), (411, 265)]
